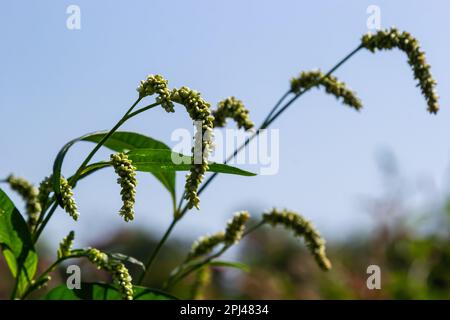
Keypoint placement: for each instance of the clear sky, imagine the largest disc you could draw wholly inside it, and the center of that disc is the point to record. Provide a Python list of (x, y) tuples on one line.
[(57, 84)]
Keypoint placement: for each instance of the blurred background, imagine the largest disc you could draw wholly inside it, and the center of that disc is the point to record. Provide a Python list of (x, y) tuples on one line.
[(375, 183)]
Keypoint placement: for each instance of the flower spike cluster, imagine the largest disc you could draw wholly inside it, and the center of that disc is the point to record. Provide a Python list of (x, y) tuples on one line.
[(127, 180), (65, 247), (68, 203), (234, 109), (392, 38), (301, 228), (205, 245), (235, 227), (45, 188), (29, 193), (331, 84), (199, 110), (156, 84), (118, 271)]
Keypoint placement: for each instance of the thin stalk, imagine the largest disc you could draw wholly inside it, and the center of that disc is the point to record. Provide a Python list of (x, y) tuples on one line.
[(128, 115), (266, 123), (155, 252), (102, 142), (50, 269)]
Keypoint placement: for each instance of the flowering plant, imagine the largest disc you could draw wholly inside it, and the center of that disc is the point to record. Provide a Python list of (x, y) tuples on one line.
[(134, 153)]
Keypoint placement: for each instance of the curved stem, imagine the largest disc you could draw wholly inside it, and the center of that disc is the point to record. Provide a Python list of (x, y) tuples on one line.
[(50, 269), (155, 252), (102, 142), (272, 116), (73, 180)]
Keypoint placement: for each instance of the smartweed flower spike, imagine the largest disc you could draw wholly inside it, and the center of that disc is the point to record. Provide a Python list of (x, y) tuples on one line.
[(235, 227), (65, 247), (205, 245), (156, 84), (392, 38), (118, 271), (68, 202), (45, 188), (234, 109), (127, 180), (199, 110), (331, 84), (29, 193), (301, 228)]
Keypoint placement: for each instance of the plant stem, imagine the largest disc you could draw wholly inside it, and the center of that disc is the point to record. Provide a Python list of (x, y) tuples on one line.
[(266, 123), (102, 142), (128, 115), (155, 252), (50, 269)]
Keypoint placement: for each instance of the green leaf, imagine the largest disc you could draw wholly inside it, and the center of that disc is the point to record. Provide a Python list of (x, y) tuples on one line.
[(16, 244), (123, 141), (229, 264), (103, 291), (124, 258), (154, 160), (57, 165)]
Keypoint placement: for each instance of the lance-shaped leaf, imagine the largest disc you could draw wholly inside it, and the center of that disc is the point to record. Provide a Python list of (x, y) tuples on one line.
[(16, 244)]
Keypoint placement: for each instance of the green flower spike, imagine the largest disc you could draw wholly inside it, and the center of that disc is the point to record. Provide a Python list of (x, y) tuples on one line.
[(29, 194), (235, 227), (331, 84), (127, 180), (234, 109), (205, 245), (65, 247), (45, 188), (303, 229), (118, 271), (392, 38), (68, 203), (156, 84), (199, 110)]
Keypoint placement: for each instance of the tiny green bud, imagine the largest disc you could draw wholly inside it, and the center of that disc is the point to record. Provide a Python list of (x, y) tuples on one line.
[(119, 273), (198, 110), (331, 84), (392, 38), (234, 109), (29, 194), (205, 245), (127, 180), (156, 84), (301, 228), (68, 203), (65, 247), (235, 227)]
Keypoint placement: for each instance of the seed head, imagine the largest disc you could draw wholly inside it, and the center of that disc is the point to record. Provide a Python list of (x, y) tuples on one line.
[(118, 271), (205, 245), (235, 227), (199, 110), (302, 228), (29, 194), (392, 38), (68, 203), (127, 180), (234, 109), (65, 247), (331, 84), (45, 188), (156, 84)]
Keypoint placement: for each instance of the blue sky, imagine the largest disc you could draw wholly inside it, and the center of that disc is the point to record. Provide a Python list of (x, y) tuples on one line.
[(57, 84)]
